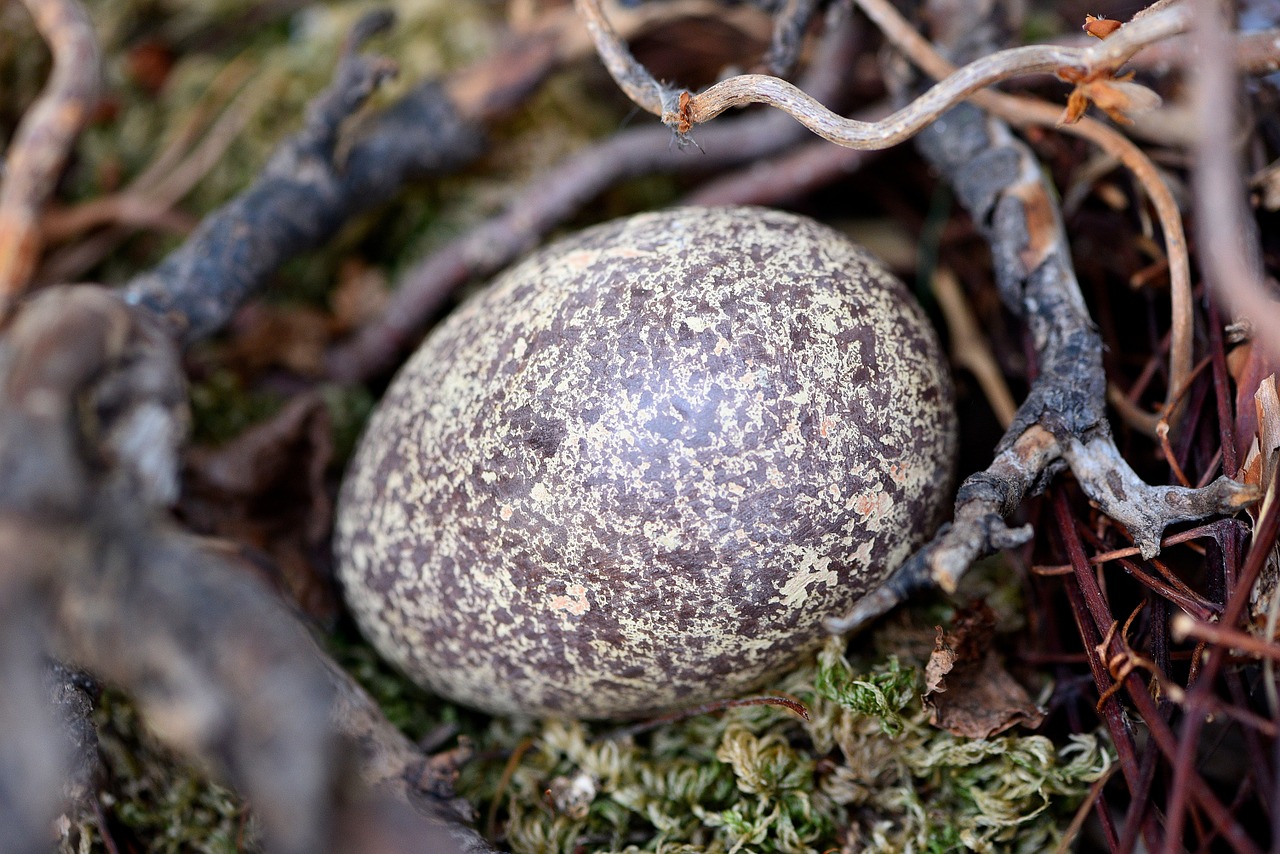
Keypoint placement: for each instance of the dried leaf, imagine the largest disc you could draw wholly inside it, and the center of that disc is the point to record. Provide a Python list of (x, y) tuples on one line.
[(360, 295), (1259, 468), (1249, 367), (940, 664), (967, 690), (1116, 96), (1100, 28), (292, 337)]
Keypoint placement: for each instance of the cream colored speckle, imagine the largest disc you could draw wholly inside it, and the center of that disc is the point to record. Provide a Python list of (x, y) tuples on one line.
[(814, 571)]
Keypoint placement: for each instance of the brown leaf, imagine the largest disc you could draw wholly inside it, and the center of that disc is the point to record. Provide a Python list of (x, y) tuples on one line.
[(1259, 467), (291, 337), (1115, 96), (1249, 367), (967, 690), (1100, 28), (1077, 103), (360, 295), (940, 664)]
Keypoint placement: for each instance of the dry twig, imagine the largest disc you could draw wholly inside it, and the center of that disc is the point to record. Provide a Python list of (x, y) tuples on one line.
[(92, 419), (303, 195), (1097, 60), (1063, 419), (1232, 261), (554, 196), (44, 139), (682, 109), (1234, 269), (788, 37), (1023, 112)]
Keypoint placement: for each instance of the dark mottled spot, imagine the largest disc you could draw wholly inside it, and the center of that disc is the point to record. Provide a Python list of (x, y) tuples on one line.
[(536, 430)]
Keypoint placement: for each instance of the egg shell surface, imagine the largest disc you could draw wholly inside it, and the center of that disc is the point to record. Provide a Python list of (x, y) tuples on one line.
[(639, 469)]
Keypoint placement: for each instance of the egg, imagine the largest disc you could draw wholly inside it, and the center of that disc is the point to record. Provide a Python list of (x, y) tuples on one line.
[(640, 468)]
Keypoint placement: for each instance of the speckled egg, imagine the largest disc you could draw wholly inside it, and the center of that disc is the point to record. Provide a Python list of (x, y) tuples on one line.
[(638, 470)]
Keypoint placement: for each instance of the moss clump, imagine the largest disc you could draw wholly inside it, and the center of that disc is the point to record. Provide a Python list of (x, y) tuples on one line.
[(866, 772), (154, 801), (222, 407)]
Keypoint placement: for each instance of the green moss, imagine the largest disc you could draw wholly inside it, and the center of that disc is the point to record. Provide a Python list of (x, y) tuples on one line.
[(412, 710), (349, 408), (153, 798), (881, 695), (866, 771), (222, 408)]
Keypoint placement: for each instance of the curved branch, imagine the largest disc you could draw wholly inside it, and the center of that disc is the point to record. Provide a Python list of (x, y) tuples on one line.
[(954, 86), (681, 110), (44, 138), (1022, 112)]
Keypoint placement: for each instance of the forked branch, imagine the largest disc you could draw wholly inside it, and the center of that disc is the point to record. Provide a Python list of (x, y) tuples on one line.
[(44, 138), (681, 109), (1062, 423)]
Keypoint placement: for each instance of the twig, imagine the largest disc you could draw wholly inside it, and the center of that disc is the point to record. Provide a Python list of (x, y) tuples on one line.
[(1198, 696), (554, 196), (632, 77), (1254, 53), (1232, 262), (788, 37), (1233, 268), (680, 110), (143, 203), (1185, 626), (303, 195), (1091, 611), (969, 348), (1062, 420), (172, 173), (1171, 540), (1082, 812), (44, 138), (1023, 112)]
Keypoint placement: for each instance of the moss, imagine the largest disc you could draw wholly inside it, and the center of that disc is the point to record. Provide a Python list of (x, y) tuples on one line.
[(866, 772), (153, 801), (412, 710), (222, 408), (349, 408)]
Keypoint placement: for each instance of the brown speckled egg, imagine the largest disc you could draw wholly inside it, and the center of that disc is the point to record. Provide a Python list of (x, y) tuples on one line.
[(639, 469)]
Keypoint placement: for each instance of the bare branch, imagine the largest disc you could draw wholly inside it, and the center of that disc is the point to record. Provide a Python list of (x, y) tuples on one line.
[(1062, 423), (788, 37), (44, 138), (681, 110), (551, 198), (1228, 236), (303, 195), (956, 85), (1023, 112)]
